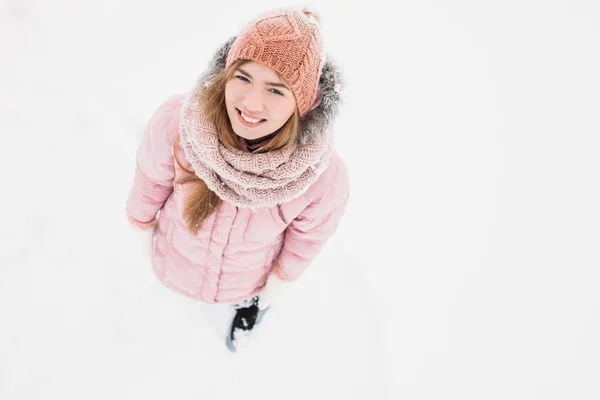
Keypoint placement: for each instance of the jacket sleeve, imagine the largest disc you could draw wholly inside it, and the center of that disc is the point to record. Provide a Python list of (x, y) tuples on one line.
[(153, 181), (307, 234)]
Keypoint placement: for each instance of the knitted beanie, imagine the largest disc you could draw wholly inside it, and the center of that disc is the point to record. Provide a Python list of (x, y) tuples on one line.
[(289, 42)]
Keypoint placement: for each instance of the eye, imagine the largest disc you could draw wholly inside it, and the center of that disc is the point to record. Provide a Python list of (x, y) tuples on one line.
[(276, 92), (242, 78)]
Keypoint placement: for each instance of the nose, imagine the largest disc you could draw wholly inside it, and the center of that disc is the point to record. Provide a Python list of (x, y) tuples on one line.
[(253, 101)]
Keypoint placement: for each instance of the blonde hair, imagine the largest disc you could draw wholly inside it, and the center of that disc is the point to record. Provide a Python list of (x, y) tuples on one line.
[(201, 201)]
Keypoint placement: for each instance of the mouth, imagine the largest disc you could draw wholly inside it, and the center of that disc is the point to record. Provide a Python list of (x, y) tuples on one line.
[(247, 121)]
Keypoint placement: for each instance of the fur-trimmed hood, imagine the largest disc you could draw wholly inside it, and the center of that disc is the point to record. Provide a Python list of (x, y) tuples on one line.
[(315, 125)]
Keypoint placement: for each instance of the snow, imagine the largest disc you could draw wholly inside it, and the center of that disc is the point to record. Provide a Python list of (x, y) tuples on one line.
[(467, 264)]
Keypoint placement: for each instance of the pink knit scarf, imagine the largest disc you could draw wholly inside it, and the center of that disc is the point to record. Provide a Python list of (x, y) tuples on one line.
[(248, 180)]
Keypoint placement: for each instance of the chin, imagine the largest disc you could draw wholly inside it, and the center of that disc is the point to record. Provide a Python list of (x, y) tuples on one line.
[(243, 134), (251, 134)]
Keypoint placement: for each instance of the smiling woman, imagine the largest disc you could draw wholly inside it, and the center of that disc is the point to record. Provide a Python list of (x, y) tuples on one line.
[(248, 147)]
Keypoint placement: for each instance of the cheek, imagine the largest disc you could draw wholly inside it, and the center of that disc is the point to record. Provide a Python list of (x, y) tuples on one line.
[(290, 106), (288, 111), (231, 94), (284, 111), (228, 94)]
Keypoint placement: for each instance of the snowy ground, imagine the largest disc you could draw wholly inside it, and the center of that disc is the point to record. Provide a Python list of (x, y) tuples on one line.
[(467, 266)]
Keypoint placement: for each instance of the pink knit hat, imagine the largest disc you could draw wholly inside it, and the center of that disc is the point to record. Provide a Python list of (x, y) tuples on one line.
[(289, 42)]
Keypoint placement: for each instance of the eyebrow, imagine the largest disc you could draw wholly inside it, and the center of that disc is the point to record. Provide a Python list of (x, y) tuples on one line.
[(275, 84)]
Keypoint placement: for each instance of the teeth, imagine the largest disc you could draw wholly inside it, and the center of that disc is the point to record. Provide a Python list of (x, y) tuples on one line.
[(248, 119)]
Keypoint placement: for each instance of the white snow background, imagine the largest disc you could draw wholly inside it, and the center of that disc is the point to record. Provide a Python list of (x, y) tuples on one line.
[(467, 264)]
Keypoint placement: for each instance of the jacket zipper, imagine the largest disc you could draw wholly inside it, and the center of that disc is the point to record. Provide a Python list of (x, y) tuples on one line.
[(281, 214)]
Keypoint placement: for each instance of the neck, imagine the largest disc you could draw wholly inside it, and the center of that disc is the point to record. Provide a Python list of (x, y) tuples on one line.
[(251, 145)]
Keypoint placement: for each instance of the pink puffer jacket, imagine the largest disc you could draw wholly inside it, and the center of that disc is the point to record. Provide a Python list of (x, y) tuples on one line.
[(232, 255)]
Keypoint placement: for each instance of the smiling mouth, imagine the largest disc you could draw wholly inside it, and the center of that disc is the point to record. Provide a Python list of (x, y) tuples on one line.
[(247, 121)]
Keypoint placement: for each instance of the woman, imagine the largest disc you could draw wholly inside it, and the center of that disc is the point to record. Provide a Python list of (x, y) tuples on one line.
[(243, 170)]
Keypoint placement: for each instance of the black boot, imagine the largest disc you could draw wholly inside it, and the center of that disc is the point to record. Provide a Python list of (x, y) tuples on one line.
[(247, 316)]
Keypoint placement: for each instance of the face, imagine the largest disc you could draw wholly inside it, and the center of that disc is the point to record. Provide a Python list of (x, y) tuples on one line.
[(258, 102)]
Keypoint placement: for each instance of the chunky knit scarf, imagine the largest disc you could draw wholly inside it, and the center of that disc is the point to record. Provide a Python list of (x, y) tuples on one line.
[(258, 180)]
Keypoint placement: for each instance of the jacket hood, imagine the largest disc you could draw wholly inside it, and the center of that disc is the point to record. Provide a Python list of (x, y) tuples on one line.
[(316, 124)]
